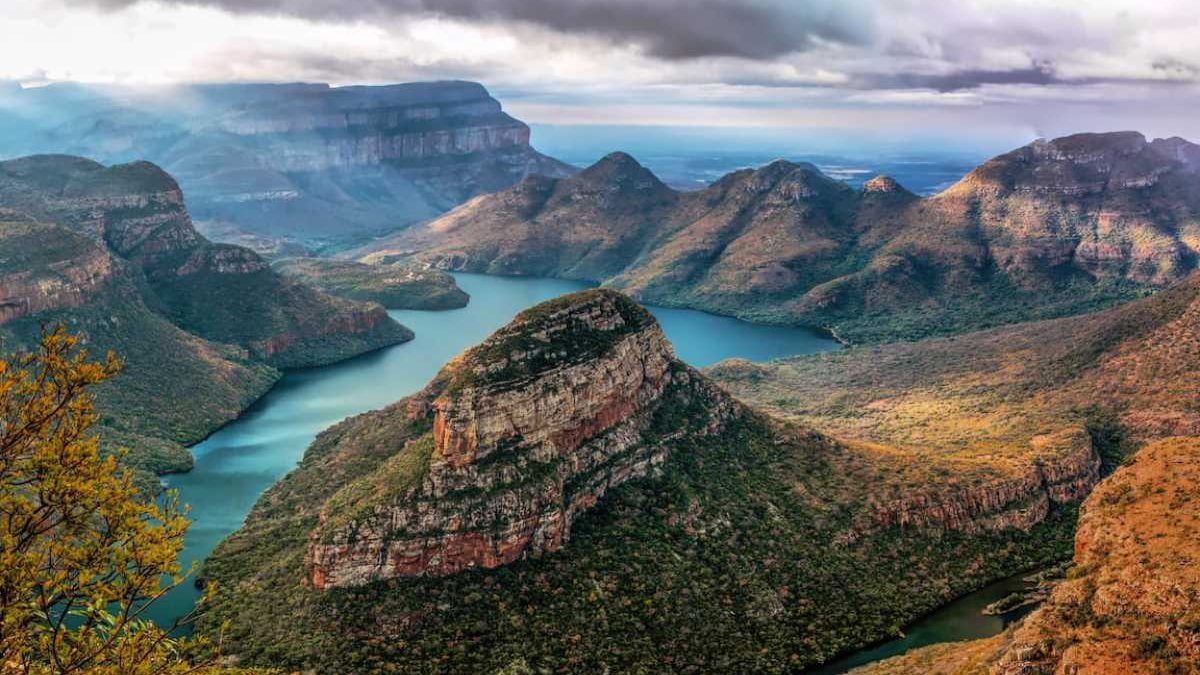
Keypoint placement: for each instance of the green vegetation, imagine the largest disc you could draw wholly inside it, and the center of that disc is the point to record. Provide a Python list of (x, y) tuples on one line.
[(293, 326), (397, 475), (726, 561), (534, 341), (174, 388), (82, 554), (395, 286)]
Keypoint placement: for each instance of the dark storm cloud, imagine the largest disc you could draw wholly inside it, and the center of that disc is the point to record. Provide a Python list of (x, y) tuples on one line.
[(669, 29), (1038, 73)]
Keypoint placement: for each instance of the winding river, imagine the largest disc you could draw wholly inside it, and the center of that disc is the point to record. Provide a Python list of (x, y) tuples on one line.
[(238, 462)]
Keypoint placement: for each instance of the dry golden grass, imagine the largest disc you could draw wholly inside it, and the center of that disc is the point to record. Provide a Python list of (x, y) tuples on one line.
[(977, 405), (1132, 602)]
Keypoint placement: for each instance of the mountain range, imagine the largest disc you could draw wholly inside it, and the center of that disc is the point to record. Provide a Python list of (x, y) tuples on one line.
[(570, 496), (1053, 228), (286, 168)]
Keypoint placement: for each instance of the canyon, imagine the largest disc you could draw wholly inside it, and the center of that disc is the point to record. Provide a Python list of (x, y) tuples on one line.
[(1130, 604), (111, 252), (294, 166), (569, 462), (1054, 228)]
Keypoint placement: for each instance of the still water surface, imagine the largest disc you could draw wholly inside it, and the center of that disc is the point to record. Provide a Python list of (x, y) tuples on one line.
[(962, 619), (237, 463)]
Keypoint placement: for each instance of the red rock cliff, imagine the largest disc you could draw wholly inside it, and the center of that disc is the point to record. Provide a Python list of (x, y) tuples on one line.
[(529, 431)]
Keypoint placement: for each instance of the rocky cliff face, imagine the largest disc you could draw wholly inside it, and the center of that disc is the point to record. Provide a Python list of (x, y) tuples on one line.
[(302, 165), (1132, 604), (40, 273), (529, 430), (174, 388), (361, 126), (136, 212), (1129, 605), (1065, 473), (1054, 228), (202, 327), (1109, 205), (990, 430)]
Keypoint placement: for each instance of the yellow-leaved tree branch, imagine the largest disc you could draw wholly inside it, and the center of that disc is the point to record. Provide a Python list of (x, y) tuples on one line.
[(83, 556)]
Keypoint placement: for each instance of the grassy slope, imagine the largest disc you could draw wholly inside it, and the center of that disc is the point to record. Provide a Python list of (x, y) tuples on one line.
[(977, 401)]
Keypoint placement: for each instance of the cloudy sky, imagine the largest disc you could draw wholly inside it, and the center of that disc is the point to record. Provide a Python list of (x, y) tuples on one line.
[(1041, 67)]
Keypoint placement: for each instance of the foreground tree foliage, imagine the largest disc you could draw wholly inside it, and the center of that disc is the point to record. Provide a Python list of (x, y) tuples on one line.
[(82, 554)]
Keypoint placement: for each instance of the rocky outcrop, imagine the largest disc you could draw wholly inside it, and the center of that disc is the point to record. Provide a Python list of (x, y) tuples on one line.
[(1132, 604), (1065, 473), (529, 430), (1129, 603), (44, 269)]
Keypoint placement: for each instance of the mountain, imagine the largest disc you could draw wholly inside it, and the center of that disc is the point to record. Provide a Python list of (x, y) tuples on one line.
[(305, 164), (1012, 408), (393, 285), (203, 327), (568, 495), (1054, 228), (1130, 605)]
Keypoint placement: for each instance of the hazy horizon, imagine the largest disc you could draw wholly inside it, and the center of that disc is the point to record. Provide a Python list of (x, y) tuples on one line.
[(975, 73)]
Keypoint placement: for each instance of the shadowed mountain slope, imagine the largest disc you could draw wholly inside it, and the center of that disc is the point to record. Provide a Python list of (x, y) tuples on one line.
[(290, 166)]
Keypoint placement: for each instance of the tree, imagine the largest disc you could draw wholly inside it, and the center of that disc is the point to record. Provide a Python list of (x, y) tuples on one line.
[(82, 554)]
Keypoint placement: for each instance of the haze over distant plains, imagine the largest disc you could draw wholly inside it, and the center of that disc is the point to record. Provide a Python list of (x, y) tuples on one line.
[(892, 66)]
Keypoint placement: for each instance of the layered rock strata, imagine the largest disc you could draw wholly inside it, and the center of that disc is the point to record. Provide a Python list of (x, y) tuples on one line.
[(528, 431), (1065, 473)]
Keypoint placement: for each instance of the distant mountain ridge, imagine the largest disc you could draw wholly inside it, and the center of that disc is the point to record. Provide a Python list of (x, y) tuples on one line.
[(305, 163), (1053, 228)]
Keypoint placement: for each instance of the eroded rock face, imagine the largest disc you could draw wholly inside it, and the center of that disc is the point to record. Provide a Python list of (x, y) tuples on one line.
[(361, 126), (64, 273), (1066, 472), (529, 431), (135, 213)]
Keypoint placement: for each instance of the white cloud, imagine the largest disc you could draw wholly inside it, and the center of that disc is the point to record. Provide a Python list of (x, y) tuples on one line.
[(1015, 59)]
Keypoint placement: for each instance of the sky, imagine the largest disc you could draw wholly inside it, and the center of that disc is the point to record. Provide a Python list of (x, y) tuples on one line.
[(975, 67)]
